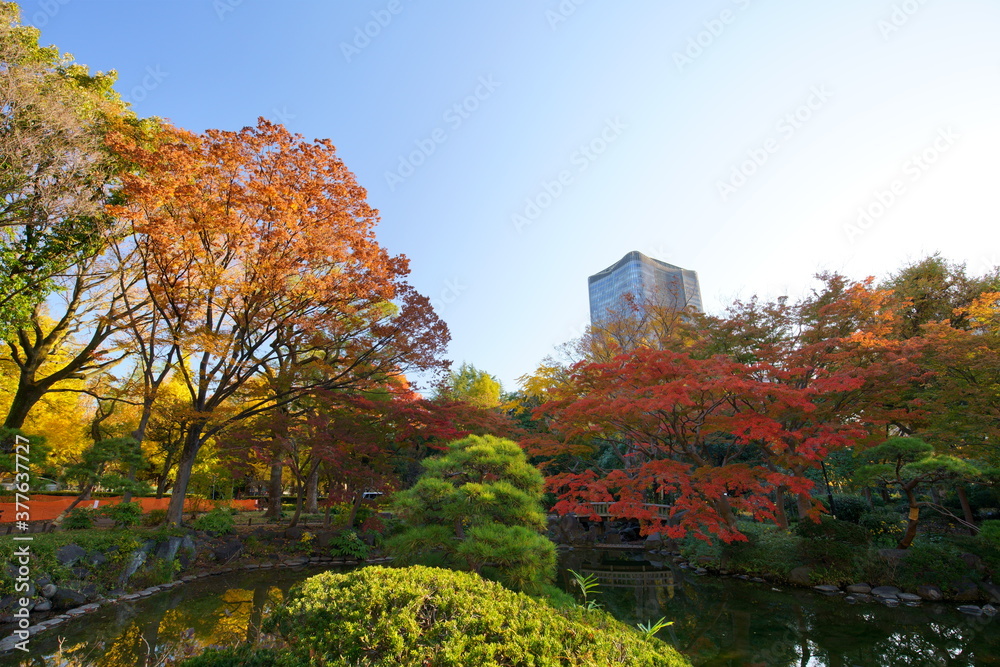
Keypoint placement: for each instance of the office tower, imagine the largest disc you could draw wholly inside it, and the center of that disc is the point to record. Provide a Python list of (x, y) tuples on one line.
[(647, 280)]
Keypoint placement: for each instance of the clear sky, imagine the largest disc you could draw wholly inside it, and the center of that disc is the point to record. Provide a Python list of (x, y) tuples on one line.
[(516, 147)]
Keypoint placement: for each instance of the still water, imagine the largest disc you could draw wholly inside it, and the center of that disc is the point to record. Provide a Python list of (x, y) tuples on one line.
[(716, 621)]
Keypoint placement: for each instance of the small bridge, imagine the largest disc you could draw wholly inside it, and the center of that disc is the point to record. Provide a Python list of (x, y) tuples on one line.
[(614, 577), (601, 510)]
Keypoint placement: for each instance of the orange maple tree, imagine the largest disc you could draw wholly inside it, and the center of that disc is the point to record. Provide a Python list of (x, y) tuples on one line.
[(256, 245)]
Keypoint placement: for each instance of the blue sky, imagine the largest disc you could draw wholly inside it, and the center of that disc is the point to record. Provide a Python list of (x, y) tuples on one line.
[(515, 148)]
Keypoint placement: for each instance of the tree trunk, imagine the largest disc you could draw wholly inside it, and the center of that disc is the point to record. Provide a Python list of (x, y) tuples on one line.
[(726, 512), (354, 510), (300, 492), (868, 497), (83, 495), (779, 508), (966, 509), (312, 491), (25, 398), (138, 435), (911, 527), (803, 503), (274, 493), (192, 444)]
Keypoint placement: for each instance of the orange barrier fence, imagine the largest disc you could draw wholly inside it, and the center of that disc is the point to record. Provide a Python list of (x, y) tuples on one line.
[(46, 508)]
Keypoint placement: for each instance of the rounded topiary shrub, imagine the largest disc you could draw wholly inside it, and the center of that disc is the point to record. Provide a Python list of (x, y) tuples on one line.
[(428, 616)]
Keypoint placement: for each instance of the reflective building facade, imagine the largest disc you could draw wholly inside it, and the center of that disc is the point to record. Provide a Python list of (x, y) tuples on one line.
[(646, 279)]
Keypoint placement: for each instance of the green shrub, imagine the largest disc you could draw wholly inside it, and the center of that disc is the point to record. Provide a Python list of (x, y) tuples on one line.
[(125, 515), (989, 532), (933, 564), (883, 524), (829, 528), (79, 518), (419, 616), (154, 518), (219, 521), (848, 507), (347, 544), (243, 656), (768, 552)]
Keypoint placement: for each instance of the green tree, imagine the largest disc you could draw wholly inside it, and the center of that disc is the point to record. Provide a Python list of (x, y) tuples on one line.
[(908, 463), (55, 169), (478, 507), (473, 386)]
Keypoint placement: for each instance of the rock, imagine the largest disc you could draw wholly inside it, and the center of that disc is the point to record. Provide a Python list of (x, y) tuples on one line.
[(294, 533), (971, 610), (889, 602), (65, 598), (758, 580), (991, 590), (167, 550), (701, 571), (828, 589), (97, 559), (654, 541), (81, 572), (70, 554), (966, 591), (850, 599), (909, 598), (228, 551), (323, 538), (886, 592), (44, 605), (932, 593), (989, 610), (90, 590), (133, 564), (892, 556), (800, 576), (859, 588)]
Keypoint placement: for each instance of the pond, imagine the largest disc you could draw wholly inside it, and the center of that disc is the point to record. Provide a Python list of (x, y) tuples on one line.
[(716, 621)]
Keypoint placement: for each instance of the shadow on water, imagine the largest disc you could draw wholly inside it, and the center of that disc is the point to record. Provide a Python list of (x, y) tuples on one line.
[(719, 621), (716, 621)]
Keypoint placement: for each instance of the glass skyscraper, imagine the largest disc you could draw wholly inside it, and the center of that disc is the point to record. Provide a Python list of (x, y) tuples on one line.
[(646, 279)]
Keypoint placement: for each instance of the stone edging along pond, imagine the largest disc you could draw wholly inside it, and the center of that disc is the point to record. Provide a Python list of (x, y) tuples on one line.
[(889, 596), (8, 643)]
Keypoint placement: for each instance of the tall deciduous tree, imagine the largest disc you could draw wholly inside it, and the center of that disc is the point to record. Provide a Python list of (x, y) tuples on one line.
[(55, 167), (250, 235)]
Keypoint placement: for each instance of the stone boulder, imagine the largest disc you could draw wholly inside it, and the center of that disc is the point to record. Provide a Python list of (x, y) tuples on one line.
[(800, 576), (66, 598), (863, 589), (966, 591), (294, 533), (886, 592), (70, 554), (228, 551), (991, 590), (930, 593)]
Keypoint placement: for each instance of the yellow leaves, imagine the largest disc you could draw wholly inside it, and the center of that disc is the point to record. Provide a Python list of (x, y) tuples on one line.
[(984, 313)]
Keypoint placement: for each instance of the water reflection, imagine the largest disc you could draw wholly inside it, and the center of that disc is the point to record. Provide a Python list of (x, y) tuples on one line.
[(717, 622), (220, 611), (732, 623)]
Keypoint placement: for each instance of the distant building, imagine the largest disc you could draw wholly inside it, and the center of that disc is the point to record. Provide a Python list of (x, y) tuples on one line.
[(647, 280)]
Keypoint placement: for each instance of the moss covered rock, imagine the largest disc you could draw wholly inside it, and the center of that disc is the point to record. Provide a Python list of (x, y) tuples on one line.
[(429, 616)]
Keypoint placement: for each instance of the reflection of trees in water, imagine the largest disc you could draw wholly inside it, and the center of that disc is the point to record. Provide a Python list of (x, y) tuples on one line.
[(724, 622)]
